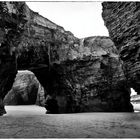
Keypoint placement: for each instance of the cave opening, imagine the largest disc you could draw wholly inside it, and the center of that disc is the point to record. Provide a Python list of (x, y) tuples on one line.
[(135, 100), (133, 92), (26, 90)]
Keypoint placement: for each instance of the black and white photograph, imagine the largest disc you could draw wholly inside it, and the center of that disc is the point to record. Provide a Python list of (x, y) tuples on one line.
[(69, 69)]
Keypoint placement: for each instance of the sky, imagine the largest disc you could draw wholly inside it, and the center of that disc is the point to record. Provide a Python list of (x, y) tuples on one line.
[(133, 92), (83, 19)]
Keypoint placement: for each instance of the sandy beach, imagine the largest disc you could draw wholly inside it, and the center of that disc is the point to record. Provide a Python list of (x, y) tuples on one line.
[(32, 122)]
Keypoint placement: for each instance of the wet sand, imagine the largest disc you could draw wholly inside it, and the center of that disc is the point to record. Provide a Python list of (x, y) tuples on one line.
[(32, 122)]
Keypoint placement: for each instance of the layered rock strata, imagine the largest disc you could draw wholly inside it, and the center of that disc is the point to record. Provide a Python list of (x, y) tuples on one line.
[(78, 75), (122, 20)]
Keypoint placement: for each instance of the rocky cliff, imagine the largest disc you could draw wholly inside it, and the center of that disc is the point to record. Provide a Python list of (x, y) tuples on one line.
[(26, 39), (122, 20), (93, 80), (11, 26), (78, 75)]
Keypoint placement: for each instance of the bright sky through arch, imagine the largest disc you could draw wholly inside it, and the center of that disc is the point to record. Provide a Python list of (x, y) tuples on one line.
[(83, 19)]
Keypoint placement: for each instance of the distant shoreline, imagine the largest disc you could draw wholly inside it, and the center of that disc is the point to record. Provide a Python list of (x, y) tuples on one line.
[(136, 106)]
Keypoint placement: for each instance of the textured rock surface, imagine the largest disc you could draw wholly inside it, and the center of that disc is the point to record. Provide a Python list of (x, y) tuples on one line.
[(123, 22), (26, 90), (11, 27), (40, 44), (26, 39), (77, 75), (93, 80)]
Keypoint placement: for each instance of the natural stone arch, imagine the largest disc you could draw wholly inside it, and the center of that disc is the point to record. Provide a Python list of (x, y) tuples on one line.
[(26, 90), (25, 44), (69, 69)]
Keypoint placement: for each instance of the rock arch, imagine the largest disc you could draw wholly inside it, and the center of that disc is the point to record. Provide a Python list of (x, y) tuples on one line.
[(26, 90), (70, 70)]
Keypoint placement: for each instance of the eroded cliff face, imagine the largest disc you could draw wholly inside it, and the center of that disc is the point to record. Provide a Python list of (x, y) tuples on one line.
[(26, 42), (93, 80), (39, 43), (78, 75), (122, 20), (11, 27)]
